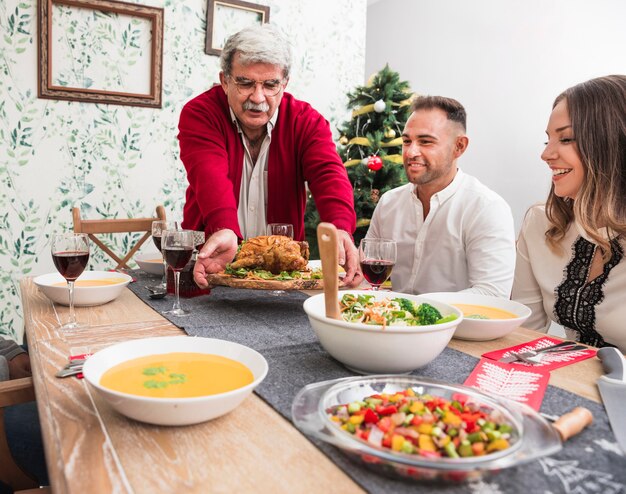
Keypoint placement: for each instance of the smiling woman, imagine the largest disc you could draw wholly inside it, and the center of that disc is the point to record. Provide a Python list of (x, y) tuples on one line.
[(570, 253)]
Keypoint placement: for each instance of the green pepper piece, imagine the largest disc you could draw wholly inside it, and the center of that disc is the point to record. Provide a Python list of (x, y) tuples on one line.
[(451, 450), (465, 450), (505, 428), (476, 437), (493, 435)]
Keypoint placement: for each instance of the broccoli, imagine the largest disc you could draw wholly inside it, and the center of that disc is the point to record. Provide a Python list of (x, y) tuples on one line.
[(408, 305), (427, 314), (424, 313)]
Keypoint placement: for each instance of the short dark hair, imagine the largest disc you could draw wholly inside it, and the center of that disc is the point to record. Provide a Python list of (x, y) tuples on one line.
[(453, 109)]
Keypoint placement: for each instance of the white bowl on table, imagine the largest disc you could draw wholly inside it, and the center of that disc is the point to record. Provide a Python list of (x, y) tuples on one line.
[(372, 349), (173, 411), (484, 329), (54, 286), (151, 263)]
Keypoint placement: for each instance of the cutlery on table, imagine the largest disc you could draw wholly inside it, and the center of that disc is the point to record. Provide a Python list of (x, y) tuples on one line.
[(559, 347), (72, 368), (612, 388), (538, 358), (327, 241)]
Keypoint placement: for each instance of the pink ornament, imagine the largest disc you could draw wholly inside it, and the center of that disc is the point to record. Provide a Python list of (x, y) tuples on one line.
[(374, 163)]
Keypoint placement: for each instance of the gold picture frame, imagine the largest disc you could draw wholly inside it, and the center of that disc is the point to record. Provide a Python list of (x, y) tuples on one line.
[(71, 67), (226, 17)]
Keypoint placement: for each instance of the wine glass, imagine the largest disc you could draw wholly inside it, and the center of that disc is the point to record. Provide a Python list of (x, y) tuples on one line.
[(177, 247), (70, 254), (158, 227), (284, 229), (377, 257)]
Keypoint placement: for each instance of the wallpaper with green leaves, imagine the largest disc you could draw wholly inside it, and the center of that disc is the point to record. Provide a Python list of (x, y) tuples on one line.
[(121, 161)]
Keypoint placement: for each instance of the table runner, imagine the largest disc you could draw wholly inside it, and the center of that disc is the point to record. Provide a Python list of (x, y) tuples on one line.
[(277, 327)]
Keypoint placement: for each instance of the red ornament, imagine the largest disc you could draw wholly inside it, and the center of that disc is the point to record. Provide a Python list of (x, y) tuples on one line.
[(374, 163)]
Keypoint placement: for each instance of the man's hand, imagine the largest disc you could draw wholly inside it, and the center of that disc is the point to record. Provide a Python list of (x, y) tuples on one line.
[(348, 258), (219, 250), (19, 366)]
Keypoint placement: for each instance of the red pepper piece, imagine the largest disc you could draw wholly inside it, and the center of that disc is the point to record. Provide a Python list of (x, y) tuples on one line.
[(370, 416), (384, 424), (388, 410)]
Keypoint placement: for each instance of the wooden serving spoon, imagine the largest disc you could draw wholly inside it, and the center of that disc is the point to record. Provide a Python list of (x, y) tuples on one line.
[(573, 422), (327, 242)]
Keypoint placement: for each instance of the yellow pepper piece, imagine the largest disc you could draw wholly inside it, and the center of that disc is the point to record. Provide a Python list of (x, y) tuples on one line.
[(396, 398), (444, 440), (497, 445), (416, 406), (425, 428), (426, 443), (334, 418), (356, 419), (452, 419), (410, 392), (396, 442)]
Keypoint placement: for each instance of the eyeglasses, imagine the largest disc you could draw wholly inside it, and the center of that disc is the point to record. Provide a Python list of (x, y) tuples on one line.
[(246, 87)]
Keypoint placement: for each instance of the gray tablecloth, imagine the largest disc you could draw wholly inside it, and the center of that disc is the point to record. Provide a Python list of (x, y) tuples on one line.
[(277, 327)]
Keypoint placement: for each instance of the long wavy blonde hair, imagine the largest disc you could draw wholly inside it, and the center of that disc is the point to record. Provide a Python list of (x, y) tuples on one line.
[(597, 110)]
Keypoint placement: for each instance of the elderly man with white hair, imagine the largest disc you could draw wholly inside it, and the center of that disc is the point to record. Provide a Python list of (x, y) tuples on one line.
[(250, 149)]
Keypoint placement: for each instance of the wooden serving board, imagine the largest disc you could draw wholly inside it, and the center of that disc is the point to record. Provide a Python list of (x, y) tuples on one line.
[(223, 279)]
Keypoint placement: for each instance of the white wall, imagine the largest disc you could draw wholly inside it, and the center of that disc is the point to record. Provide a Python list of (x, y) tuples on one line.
[(505, 61)]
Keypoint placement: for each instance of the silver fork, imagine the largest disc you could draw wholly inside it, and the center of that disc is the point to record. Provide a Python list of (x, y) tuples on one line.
[(537, 359), (71, 369), (564, 345)]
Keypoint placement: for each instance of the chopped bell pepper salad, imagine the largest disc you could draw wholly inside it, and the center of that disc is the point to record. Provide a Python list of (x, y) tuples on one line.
[(389, 312), (423, 425)]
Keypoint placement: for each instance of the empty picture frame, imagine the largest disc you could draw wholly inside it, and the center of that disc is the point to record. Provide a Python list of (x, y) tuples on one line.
[(226, 17), (100, 51)]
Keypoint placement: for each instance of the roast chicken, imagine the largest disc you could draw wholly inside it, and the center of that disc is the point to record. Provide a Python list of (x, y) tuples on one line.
[(274, 253)]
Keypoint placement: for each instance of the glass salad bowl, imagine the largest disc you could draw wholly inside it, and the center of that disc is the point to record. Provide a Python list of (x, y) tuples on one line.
[(531, 436)]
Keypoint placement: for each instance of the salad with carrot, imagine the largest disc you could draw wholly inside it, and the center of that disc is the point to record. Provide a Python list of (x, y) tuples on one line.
[(397, 311), (423, 425)]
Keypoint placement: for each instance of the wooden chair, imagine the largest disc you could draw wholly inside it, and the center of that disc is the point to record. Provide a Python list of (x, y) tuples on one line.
[(12, 393), (93, 227)]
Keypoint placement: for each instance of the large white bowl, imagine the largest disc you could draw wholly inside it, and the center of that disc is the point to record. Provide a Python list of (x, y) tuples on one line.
[(369, 349), (173, 411), (484, 329), (54, 286), (151, 263)]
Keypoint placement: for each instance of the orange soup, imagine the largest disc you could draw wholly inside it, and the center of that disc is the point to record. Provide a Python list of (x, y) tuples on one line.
[(100, 282), (177, 375), (484, 312)]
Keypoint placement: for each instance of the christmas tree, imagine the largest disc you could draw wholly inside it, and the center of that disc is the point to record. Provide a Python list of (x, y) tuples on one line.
[(370, 145)]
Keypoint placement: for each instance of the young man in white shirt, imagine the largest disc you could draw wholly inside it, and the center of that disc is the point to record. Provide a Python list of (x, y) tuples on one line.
[(453, 233)]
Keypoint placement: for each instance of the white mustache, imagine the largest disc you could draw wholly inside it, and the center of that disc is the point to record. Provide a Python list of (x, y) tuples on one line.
[(249, 105)]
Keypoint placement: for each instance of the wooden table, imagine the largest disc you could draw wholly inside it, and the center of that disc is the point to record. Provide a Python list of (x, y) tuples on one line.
[(91, 448)]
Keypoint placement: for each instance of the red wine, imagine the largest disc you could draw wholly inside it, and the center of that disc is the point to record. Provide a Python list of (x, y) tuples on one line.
[(70, 263), (177, 257), (376, 272), (157, 241)]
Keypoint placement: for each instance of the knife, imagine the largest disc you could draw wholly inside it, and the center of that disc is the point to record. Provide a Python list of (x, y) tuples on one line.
[(613, 391)]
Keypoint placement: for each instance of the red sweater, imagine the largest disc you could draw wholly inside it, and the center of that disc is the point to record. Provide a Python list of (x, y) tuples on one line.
[(301, 150)]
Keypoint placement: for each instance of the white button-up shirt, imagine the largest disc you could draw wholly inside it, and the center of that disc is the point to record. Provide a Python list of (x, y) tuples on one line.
[(251, 211), (466, 243)]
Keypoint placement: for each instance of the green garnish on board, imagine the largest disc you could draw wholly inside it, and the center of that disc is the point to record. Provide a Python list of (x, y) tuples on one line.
[(267, 275)]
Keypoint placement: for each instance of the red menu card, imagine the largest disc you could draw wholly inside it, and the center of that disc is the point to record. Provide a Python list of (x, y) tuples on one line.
[(524, 385)]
